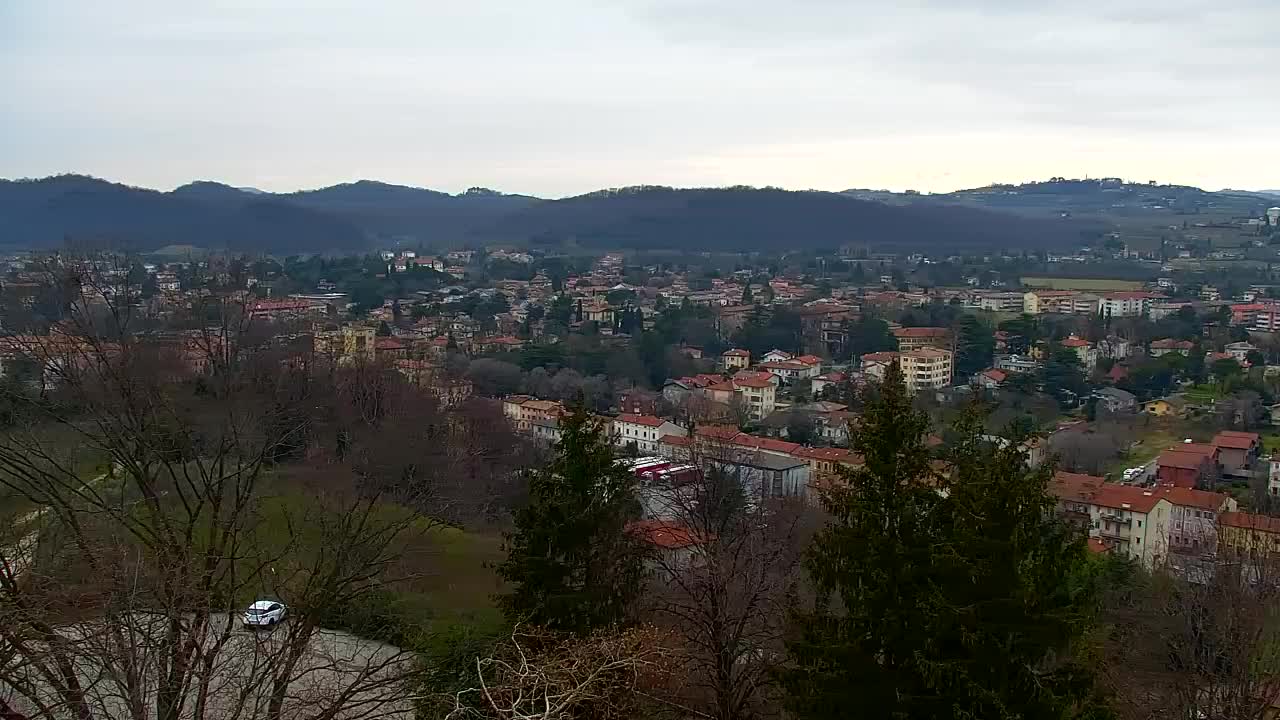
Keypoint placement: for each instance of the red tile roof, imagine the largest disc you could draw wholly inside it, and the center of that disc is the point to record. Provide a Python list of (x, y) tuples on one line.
[(1099, 546), (997, 375), (1189, 497), (1181, 460), (647, 420), (1235, 440), (665, 534), (1249, 521), (736, 352), (881, 357), (677, 440), (808, 360), (1126, 497), (1171, 344), (921, 332), (1076, 487), (1075, 342), (753, 382)]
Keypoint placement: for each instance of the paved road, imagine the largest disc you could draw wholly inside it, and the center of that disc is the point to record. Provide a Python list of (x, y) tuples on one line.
[(336, 664)]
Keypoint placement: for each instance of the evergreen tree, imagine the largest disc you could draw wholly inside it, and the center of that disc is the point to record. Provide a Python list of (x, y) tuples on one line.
[(975, 346), (1062, 376), (384, 330), (957, 596), (1015, 591), (872, 568), (572, 565), (747, 297)]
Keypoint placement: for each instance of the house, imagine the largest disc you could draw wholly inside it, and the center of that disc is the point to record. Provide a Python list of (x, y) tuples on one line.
[(673, 545), (735, 359), (545, 430), (776, 355), (522, 410), (758, 394), (1240, 350), (1115, 348), (1237, 451), (347, 344), (926, 369), (390, 347), (644, 431), (1163, 347), (990, 379), (913, 338), (1133, 521), (788, 370), (1115, 400), (875, 364), (1179, 467), (1016, 363), (822, 382), (1193, 525), (1248, 534), (1173, 406), (1085, 353), (1273, 476)]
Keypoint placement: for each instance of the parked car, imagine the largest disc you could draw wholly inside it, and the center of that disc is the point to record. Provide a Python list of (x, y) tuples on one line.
[(264, 613)]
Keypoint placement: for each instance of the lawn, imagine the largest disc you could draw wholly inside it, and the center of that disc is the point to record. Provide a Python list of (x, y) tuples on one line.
[(1201, 394), (1060, 283), (1153, 442)]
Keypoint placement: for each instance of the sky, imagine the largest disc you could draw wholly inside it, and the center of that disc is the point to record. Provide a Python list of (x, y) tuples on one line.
[(560, 97)]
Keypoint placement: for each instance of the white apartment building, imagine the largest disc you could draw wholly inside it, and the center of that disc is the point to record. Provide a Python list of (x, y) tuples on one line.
[(644, 430), (926, 369), (1193, 525), (1133, 521), (1124, 304)]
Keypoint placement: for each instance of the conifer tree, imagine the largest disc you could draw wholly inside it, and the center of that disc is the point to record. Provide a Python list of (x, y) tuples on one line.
[(872, 569), (747, 297), (942, 596), (572, 564)]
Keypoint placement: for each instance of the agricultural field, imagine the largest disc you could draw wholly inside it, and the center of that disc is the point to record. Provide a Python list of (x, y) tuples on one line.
[(1060, 283)]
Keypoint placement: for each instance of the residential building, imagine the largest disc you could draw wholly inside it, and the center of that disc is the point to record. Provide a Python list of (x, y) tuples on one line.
[(822, 382), (875, 364), (790, 370), (1133, 521), (735, 359), (990, 379), (674, 546), (347, 344), (1000, 301), (1163, 347), (1186, 466), (1273, 477), (759, 395), (1173, 406), (1016, 363), (1036, 302), (1240, 350), (1237, 451), (764, 474), (776, 355), (1248, 534), (1116, 400), (1086, 353), (912, 338), (926, 369), (1124, 304), (1115, 348), (1193, 524), (522, 410), (644, 431)]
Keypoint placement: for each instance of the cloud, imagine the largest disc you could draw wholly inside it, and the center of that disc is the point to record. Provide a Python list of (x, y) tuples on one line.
[(564, 96)]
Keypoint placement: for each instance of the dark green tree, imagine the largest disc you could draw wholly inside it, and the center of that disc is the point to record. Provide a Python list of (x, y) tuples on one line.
[(1256, 358), (747, 297), (868, 335), (1225, 368), (1062, 376), (1024, 331), (872, 567), (384, 330), (975, 346), (571, 563)]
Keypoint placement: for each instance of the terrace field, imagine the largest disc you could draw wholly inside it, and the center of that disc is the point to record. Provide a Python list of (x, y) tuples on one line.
[(1061, 283)]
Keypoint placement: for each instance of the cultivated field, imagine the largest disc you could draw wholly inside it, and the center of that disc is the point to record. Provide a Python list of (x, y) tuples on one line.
[(1059, 283)]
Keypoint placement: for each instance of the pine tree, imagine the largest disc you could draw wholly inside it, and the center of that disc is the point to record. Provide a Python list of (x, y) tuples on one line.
[(956, 596), (975, 347), (872, 570), (1015, 591), (572, 564), (747, 297)]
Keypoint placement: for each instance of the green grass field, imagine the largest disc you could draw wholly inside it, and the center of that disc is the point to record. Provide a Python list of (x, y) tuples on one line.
[(1059, 283), (1153, 442)]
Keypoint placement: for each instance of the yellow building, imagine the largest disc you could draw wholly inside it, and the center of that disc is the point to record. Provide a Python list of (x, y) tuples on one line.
[(926, 369), (348, 344), (1248, 534), (736, 359)]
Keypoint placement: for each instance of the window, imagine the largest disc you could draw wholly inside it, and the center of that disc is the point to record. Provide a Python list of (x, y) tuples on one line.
[(1139, 523)]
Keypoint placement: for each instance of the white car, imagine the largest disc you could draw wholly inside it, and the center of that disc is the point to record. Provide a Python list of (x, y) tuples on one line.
[(264, 613)]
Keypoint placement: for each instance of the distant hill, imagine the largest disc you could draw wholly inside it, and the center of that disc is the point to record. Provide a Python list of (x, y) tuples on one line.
[(366, 214), (768, 219), (43, 213), (1106, 198)]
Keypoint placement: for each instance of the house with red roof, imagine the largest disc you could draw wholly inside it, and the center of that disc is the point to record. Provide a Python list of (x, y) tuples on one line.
[(735, 359), (876, 364), (822, 382), (1085, 352), (1187, 465), (644, 431), (990, 379), (1193, 523), (1237, 451), (1246, 533), (1131, 520), (1159, 348), (673, 545)]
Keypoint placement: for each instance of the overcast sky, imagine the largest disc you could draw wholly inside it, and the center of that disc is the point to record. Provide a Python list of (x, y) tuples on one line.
[(559, 97)]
